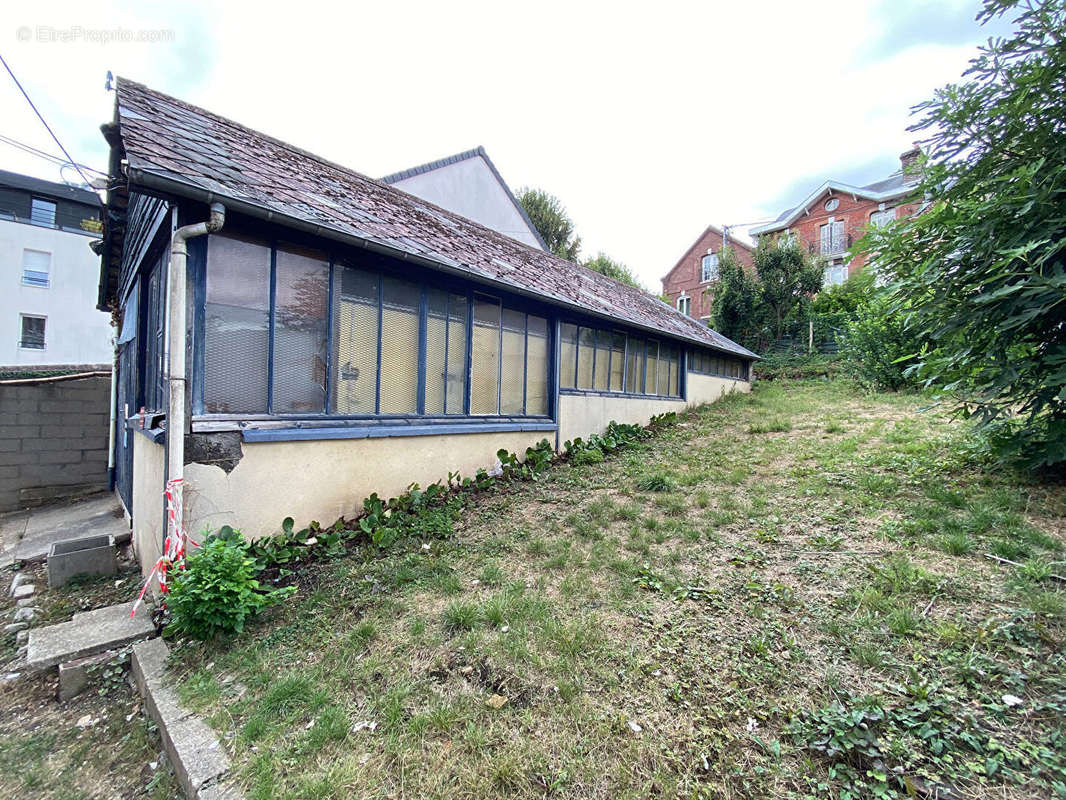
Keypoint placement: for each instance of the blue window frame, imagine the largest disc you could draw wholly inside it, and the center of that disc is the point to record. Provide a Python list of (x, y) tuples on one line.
[(293, 331), (710, 362), (603, 360), (154, 303)]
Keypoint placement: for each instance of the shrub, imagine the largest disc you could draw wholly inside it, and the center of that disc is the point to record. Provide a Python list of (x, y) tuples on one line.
[(879, 346), (216, 591), (657, 482)]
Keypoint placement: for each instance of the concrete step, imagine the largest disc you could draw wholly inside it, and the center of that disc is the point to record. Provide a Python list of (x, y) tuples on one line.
[(90, 632)]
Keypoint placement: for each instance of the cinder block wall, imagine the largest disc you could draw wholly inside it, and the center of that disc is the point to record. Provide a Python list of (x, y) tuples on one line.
[(53, 439)]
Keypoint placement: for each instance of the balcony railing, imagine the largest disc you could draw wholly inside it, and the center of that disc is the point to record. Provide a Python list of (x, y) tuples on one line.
[(830, 246)]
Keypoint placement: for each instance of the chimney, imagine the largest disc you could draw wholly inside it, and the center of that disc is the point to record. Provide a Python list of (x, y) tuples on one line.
[(909, 159)]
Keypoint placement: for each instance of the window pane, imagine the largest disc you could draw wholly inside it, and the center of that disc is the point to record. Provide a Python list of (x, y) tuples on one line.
[(635, 365), (300, 321), (567, 355), (512, 378), (32, 333), (618, 361), (36, 264), (651, 369), (675, 372), (400, 302), (537, 366), (603, 360), (457, 339), (436, 349), (484, 391), (355, 341), (586, 355), (154, 332), (237, 325), (43, 212)]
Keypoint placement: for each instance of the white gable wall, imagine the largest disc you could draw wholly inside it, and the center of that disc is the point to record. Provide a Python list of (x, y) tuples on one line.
[(470, 188)]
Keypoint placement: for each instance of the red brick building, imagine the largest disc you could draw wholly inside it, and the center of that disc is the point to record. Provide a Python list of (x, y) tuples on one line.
[(688, 284), (835, 216)]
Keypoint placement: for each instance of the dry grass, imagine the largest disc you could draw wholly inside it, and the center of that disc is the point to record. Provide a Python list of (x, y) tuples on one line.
[(657, 643)]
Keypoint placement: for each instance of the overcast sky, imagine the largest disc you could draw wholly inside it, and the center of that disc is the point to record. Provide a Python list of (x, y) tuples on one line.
[(648, 121)]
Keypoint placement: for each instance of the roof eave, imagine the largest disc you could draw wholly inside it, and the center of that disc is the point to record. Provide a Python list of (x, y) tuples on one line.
[(155, 183), (840, 187)]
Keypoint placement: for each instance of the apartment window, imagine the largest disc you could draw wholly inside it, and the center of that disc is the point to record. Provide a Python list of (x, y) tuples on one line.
[(835, 274), (611, 361), (32, 337), (881, 218), (36, 267), (684, 305), (832, 204), (831, 237), (42, 212), (786, 240), (388, 346), (708, 268)]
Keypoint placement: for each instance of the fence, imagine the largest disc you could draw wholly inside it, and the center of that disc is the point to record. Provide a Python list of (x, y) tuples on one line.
[(821, 334), (53, 438)]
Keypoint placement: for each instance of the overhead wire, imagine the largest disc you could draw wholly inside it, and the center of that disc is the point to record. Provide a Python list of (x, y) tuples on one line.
[(43, 121)]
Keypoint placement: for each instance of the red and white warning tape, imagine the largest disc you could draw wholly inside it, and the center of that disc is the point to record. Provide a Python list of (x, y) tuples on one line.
[(173, 556)]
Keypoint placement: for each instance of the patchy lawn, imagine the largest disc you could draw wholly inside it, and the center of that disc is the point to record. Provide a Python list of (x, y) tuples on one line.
[(785, 594), (43, 750)]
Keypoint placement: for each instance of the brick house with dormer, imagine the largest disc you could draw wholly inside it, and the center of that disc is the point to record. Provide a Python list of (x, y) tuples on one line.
[(835, 216), (688, 285)]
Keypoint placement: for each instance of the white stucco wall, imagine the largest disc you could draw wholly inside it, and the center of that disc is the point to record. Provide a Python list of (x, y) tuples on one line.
[(75, 332), (147, 511), (581, 415), (469, 188), (325, 480)]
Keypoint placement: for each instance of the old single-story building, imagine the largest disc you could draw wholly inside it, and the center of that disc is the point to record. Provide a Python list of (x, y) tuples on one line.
[(331, 336)]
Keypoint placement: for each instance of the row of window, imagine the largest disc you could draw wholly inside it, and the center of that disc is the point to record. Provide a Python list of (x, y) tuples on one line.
[(707, 362), (275, 344), (612, 361)]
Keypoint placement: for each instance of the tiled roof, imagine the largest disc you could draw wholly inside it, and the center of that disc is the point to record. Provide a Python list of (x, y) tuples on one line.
[(197, 152)]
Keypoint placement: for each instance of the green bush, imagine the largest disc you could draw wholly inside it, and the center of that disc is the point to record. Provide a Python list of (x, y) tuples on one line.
[(879, 346), (216, 591)]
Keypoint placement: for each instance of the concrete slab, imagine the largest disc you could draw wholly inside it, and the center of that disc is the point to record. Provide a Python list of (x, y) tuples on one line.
[(27, 535), (76, 676), (88, 633), (193, 750)]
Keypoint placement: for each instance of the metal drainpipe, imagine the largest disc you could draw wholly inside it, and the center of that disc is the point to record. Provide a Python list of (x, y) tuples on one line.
[(176, 304), (111, 421)]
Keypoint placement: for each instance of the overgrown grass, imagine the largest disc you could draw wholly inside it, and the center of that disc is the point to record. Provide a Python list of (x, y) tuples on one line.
[(677, 621)]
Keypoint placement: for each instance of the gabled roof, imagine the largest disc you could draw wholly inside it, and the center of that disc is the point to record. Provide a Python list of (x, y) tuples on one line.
[(421, 169), (60, 191), (178, 149), (710, 228), (897, 185)]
